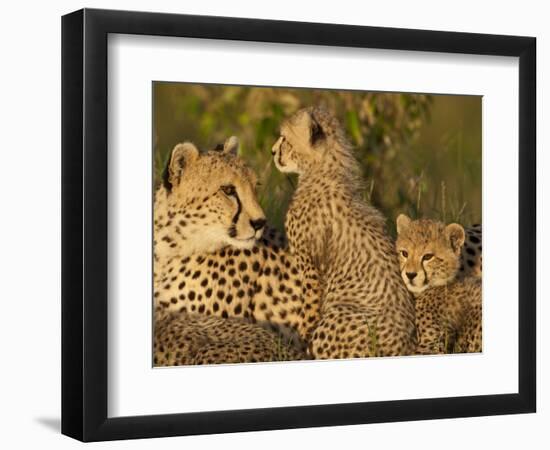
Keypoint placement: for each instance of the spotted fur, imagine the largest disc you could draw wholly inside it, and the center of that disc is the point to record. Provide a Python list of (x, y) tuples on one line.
[(448, 304), (342, 244), (471, 257), (434, 254), (186, 339), (203, 270)]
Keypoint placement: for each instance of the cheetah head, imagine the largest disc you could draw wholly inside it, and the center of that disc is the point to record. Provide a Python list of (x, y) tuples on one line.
[(428, 251), (310, 137), (207, 201)]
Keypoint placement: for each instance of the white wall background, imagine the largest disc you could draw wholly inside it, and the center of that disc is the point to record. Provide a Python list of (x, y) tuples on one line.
[(30, 224)]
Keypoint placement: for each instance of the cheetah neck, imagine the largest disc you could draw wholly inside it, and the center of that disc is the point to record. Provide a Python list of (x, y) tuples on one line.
[(186, 242), (351, 240), (179, 235), (448, 284), (339, 170)]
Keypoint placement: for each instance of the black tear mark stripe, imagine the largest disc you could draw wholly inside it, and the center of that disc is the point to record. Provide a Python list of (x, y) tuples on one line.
[(425, 274), (239, 208)]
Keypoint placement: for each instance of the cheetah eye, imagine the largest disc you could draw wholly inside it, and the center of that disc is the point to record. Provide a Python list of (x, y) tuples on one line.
[(427, 257), (229, 190), (404, 253)]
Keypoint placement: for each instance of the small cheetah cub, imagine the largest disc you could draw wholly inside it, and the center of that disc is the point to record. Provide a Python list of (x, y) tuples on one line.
[(340, 241), (448, 307)]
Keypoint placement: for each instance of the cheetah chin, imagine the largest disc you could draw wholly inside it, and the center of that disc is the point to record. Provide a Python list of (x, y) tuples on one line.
[(416, 289), (244, 244)]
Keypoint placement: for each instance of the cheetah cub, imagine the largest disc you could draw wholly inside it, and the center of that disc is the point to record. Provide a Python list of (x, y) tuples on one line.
[(342, 244), (448, 306)]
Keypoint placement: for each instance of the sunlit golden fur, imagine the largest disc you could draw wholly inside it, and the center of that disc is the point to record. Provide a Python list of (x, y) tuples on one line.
[(311, 139), (448, 304), (200, 268), (429, 252), (184, 339), (342, 244), (449, 318), (207, 216)]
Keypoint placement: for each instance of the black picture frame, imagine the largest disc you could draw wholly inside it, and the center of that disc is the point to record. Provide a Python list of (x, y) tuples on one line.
[(84, 224)]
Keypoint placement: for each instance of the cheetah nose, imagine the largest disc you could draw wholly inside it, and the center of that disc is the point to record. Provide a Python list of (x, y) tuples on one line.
[(257, 224), (411, 275)]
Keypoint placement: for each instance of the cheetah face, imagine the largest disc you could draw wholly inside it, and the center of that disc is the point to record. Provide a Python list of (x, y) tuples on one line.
[(428, 252), (208, 202), (299, 145), (284, 156)]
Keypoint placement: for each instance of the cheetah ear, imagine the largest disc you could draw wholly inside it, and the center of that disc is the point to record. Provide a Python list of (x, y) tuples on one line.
[(306, 121), (231, 146), (455, 234), (316, 133), (403, 221), (182, 156)]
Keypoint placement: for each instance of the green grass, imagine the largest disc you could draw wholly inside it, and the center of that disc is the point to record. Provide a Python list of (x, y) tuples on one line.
[(421, 155)]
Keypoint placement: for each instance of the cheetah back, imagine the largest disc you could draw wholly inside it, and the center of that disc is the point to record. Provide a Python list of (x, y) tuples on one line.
[(342, 243), (185, 339)]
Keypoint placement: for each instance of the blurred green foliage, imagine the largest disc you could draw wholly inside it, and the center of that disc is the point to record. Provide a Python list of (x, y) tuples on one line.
[(421, 154)]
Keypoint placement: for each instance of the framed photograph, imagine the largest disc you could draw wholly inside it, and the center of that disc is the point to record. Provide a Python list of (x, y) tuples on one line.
[(273, 225)]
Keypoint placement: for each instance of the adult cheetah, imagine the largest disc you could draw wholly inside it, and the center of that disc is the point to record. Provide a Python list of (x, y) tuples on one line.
[(191, 339), (448, 306), (365, 308), (471, 255), (212, 252)]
